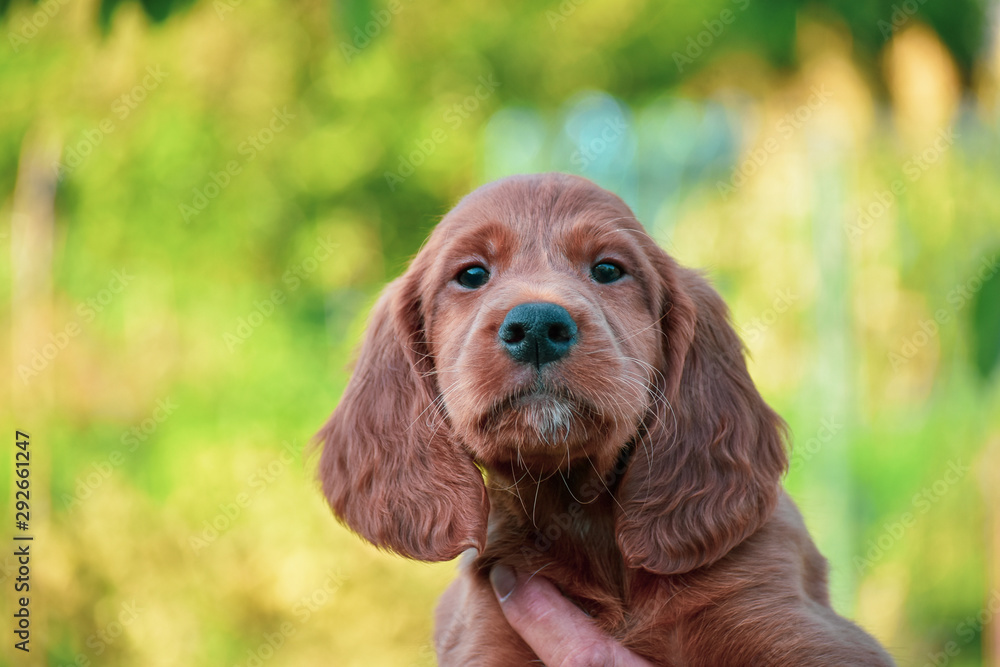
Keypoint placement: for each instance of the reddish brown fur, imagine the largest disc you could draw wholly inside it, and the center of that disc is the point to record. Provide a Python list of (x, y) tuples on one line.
[(641, 473)]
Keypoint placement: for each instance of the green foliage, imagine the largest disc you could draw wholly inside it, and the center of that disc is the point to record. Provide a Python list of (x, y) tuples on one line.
[(986, 327)]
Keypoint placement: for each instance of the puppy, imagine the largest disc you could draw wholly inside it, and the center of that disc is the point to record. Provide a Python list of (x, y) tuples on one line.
[(543, 341)]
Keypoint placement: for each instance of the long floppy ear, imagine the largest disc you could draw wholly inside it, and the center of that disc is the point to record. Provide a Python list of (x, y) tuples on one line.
[(389, 467), (707, 472)]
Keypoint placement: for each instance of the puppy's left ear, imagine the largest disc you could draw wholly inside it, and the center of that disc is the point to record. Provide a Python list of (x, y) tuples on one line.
[(706, 473)]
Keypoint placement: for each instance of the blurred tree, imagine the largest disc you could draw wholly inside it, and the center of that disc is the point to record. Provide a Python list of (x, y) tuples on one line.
[(770, 31), (985, 330)]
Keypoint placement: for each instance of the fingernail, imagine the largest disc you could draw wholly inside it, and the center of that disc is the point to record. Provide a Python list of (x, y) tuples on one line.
[(503, 580)]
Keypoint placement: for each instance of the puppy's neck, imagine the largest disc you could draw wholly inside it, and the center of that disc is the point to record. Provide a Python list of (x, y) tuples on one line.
[(561, 522)]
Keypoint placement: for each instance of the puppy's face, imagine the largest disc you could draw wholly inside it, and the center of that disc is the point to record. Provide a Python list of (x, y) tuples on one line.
[(542, 315), (540, 326)]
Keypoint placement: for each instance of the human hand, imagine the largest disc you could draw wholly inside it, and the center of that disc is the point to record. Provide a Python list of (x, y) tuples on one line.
[(556, 630)]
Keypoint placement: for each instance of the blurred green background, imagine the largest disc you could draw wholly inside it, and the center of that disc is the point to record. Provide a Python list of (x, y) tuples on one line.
[(200, 201)]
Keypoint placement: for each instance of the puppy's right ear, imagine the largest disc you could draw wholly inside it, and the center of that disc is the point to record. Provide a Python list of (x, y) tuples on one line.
[(389, 466)]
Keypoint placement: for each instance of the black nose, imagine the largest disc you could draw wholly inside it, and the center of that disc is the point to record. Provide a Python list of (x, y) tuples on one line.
[(537, 333)]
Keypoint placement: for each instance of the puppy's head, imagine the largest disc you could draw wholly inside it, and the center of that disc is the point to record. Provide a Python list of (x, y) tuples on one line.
[(542, 306), (540, 326)]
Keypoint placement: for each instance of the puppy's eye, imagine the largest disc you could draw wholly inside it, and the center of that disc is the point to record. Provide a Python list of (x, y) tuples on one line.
[(473, 277), (606, 272)]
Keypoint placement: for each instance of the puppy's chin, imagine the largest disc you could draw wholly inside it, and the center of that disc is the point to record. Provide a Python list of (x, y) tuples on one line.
[(538, 429), (545, 420)]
